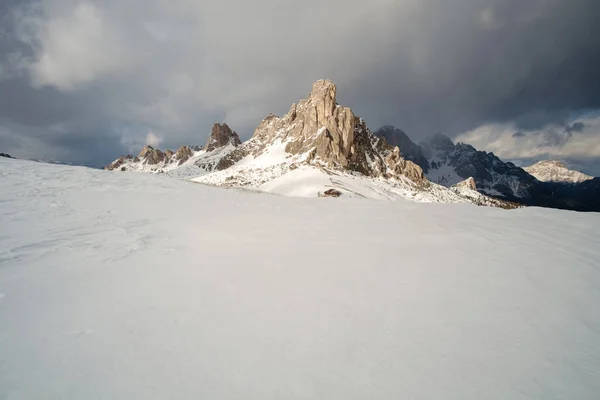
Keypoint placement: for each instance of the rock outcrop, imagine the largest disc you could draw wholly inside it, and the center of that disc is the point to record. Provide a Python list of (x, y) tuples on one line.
[(320, 132), (221, 136), (187, 161), (467, 183), (5, 155), (151, 155), (183, 154), (408, 149)]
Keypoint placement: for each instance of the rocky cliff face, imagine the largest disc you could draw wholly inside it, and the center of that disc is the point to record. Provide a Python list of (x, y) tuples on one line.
[(408, 149), (319, 132), (449, 163), (555, 171), (467, 183), (221, 136)]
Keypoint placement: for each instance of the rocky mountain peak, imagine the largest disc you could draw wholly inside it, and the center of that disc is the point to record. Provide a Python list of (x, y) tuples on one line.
[(145, 150), (320, 132), (221, 136), (556, 171), (151, 155), (439, 141), (183, 154), (409, 150)]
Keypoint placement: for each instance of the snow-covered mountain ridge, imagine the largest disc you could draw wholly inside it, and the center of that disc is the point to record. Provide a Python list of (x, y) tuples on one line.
[(556, 171), (187, 162), (320, 145), (317, 146), (447, 163)]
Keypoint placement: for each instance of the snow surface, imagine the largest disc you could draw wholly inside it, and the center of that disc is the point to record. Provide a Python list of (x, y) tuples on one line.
[(135, 286)]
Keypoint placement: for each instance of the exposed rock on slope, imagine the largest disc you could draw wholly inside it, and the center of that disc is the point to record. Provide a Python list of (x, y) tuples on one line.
[(448, 164), (186, 162), (320, 146), (408, 149), (451, 163), (221, 136), (183, 154), (319, 132), (555, 171), (467, 183), (6, 155)]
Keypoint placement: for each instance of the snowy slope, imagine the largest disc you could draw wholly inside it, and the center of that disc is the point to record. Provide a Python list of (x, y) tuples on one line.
[(555, 171), (278, 172), (123, 286)]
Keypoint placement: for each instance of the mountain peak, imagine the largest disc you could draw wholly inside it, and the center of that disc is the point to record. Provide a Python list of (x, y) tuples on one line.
[(324, 88), (556, 171), (319, 132), (409, 150), (221, 136), (441, 141)]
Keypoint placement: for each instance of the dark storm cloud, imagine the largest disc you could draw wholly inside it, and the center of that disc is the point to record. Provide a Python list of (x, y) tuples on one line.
[(103, 75), (575, 127)]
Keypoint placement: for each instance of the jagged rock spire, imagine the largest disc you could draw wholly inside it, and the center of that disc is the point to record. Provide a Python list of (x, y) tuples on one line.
[(324, 133), (221, 136)]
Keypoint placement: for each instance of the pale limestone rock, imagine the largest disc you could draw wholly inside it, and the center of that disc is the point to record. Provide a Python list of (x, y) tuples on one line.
[(467, 183)]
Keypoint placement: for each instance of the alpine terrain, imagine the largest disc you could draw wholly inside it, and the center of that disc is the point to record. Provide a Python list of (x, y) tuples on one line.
[(318, 148), (547, 184), (187, 161), (555, 171), (141, 286)]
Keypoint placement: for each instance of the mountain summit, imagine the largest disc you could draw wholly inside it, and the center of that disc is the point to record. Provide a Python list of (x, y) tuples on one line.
[(221, 136), (319, 132), (319, 147), (555, 171)]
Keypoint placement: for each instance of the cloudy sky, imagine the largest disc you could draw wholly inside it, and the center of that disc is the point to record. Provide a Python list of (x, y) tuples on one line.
[(88, 80)]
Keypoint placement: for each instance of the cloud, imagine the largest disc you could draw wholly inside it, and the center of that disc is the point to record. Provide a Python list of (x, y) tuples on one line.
[(153, 140), (117, 69), (74, 49), (576, 127), (551, 141)]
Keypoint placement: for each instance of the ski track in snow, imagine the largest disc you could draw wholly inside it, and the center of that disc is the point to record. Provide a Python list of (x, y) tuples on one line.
[(131, 286)]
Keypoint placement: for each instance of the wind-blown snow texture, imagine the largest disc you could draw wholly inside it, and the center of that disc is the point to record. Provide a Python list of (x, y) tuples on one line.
[(123, 286)]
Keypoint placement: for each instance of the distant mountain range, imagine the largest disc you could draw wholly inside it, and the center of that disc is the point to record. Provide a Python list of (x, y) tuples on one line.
[(319, 145), (545, 184)]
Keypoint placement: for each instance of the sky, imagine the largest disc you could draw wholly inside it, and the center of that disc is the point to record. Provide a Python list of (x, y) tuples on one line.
[(85, 81)]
